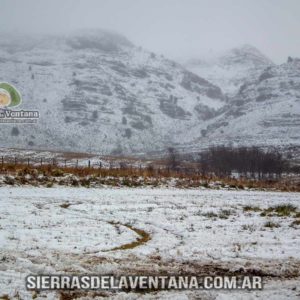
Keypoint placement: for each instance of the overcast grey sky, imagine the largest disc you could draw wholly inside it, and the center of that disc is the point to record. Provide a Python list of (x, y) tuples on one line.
[(176, 28)]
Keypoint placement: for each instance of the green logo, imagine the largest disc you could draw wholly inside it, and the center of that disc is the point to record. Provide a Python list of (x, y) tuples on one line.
[(9, 95)]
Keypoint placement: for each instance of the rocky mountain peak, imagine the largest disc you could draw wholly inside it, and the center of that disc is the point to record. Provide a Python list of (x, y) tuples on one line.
[(98, 39), (245, 55), (229, 70), (293, 60)]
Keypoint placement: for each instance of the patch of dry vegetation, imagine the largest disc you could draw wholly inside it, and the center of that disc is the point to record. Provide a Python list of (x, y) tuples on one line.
[(270, 224), (284, 210), (48, 175), (143, 237)]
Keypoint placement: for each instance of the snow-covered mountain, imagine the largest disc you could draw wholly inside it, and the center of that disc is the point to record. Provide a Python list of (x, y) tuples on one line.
[(231, 69), (98, 92), (264, 112)]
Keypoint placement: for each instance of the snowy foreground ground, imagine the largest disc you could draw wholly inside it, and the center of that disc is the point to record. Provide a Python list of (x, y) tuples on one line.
[(78, 230)]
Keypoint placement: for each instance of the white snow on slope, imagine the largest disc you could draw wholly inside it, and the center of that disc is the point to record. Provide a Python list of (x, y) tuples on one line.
[(231, 69), (99, 89)]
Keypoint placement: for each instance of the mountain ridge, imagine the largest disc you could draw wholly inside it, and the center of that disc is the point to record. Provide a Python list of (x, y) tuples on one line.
[(230, 69), (97, 92), (113, 96)]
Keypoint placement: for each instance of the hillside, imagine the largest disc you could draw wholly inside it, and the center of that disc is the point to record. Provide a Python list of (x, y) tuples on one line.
[(264, 112), (231, 69), (97, 92)]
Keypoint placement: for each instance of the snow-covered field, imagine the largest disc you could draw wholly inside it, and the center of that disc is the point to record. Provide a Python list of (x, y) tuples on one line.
[(131, 231)]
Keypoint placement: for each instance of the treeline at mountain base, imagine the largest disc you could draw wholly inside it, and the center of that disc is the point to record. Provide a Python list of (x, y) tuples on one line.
[(222, 161)]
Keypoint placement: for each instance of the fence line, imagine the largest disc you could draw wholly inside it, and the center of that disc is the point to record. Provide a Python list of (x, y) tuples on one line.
[(68, 163), (59, 162), (88, 163)]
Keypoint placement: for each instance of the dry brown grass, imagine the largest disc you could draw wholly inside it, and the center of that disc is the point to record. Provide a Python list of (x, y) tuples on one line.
[(282, 185), (53, 170), (130, 177), (143, 238), (65, 205)]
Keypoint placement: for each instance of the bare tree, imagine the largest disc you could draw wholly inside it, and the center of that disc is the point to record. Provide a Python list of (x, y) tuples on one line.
[(172, 159), (254, 162)]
